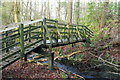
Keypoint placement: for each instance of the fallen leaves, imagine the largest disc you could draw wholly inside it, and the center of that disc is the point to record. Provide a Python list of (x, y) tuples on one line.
[(28, 70)]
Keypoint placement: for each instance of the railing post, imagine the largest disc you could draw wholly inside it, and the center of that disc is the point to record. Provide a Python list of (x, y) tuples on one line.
[(6, 42), (68, 26), (41, 29), (72, 35), (44, 31), (51, 61), (56, 24), (84, 32), (78, 33), (58, 32), (30, 33), (64, 31), (21, 30)]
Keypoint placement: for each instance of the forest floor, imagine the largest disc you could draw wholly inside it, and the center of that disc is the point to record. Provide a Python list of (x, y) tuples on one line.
[(101, 50), (101, 60), (31, 70), (21, 70)]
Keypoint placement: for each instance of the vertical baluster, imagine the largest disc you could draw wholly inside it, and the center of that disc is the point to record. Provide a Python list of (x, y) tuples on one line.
[(78, 33), (57, 33), (68, 28), (29, 33), (64, 31), (44, 31), (72, 35), (41, 29), (84, 32), (37, 24), (75, 31), (6, 41)]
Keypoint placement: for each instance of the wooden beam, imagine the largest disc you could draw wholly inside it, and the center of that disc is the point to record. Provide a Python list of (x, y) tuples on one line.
[(51, 61), (21, 31)]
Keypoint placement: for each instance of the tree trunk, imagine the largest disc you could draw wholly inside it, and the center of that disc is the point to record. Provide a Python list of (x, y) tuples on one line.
[(15, 11), (48, 10), (104, 13), (30, 16), (44, 9), (69, 12), (41, 12), (58, 10), (77, 12)]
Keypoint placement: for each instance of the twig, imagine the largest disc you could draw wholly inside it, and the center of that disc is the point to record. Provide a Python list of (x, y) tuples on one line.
[(104, 60)]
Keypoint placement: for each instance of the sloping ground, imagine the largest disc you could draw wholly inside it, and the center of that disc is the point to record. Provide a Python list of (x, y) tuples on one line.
[(101, 61), (27, 71), (21, 69), (110, 48)]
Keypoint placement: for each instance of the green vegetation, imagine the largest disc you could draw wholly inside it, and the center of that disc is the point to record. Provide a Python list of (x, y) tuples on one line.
[(93, 19), (60, 20)]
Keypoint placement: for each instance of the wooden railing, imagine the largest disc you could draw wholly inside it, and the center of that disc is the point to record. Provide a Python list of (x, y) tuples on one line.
[(22, 38)]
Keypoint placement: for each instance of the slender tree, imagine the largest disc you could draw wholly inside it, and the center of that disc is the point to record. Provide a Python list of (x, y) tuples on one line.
[(58, 9), (15, 11), (48, 10), (30, 11), (44, 9), (104, 13), (77, 11), (69, 11)]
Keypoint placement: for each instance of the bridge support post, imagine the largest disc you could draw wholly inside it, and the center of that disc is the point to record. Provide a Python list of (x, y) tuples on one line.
[(21, 31), (25, 58), (51, 61)]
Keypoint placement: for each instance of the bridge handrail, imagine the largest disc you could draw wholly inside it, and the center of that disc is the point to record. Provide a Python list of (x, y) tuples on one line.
[(26, 36), (25, 23), (31, 22), (16, 25)]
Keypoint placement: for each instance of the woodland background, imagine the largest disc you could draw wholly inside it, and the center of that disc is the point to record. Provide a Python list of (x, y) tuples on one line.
[(101, 16)]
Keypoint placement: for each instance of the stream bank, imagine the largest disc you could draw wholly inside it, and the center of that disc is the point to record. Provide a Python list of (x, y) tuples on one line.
[(100, 61)]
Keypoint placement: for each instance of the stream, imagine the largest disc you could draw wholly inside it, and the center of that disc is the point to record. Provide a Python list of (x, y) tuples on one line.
[(86, 74)]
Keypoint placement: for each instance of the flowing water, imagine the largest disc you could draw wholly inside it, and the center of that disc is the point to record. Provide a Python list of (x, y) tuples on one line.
[(86, 74)]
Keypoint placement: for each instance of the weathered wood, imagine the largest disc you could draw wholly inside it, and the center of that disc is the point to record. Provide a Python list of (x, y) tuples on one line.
[(56, 24), (51, 61), (30, 33), (21, 41), (57, 34), (44, 31), (10, 46)]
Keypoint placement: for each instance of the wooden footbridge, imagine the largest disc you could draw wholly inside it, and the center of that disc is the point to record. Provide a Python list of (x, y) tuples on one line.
[(20, 39)]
